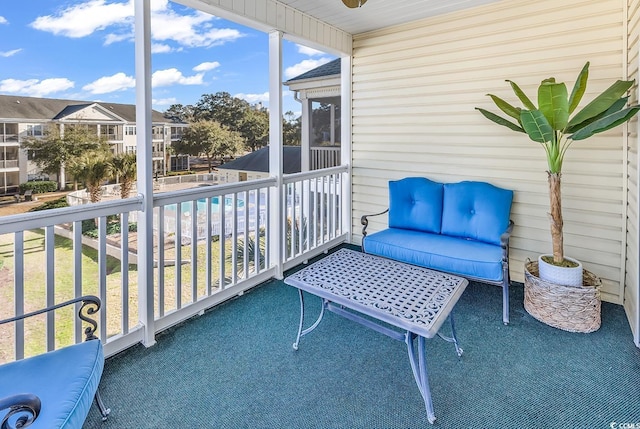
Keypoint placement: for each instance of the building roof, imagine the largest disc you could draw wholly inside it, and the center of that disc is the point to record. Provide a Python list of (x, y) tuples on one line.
[(328, 69), (259, 161), (47, 109)]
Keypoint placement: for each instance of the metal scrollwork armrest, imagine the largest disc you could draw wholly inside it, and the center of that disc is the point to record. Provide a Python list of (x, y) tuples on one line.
[(90, 306), (25, 405), (365, 222)]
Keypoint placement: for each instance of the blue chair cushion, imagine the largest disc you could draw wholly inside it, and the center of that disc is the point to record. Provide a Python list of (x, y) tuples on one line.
[(415, 203), (467, 258), (476, 210), (65, 380)]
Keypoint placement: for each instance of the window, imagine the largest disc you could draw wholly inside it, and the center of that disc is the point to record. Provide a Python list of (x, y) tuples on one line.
[(34, 130), (129, 130)]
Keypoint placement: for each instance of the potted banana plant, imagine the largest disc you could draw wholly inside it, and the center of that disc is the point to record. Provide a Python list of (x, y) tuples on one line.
[(553, 124)]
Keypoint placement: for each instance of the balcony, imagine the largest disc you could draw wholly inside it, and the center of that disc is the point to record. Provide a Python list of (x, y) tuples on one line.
[(232, 365), (8, 164)]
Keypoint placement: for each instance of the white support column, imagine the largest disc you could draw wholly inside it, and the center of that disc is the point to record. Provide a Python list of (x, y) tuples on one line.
[(332, 124), (345, 141), (144, 155), (305, 141), (277, 215)]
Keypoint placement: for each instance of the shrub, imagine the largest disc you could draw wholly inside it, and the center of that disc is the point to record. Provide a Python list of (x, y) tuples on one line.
[(54, 204), (90, 229), (39, 187), (179, 173)]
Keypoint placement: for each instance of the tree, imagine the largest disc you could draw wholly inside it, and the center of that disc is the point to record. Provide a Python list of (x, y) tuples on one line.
[(291, 129), (92, 167), (209, 139), (125, 168), (255, 129), (223, 108), (180, 112), (56, 149)]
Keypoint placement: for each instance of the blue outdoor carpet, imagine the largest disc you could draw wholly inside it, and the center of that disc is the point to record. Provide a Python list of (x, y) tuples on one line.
[(234, 367)]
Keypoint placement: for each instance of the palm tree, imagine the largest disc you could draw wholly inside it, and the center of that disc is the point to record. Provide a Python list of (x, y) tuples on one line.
[(124, 167), (92, 168)]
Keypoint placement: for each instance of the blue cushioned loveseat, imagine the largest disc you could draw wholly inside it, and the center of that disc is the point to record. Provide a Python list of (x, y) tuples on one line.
[(55, 389), (459, 228)]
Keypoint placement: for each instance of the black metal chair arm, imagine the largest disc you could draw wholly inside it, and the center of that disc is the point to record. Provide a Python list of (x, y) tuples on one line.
[(90, 305), (365, 222), (26, 405)]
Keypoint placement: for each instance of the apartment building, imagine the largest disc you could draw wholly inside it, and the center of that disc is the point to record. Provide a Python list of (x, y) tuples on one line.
[(26, 117)]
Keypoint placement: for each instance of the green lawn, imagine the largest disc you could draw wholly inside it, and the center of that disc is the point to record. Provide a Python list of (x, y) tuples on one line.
[(35, 272)]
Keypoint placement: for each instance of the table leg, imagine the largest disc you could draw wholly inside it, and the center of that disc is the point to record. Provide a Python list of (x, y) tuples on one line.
[(453, 338), (301, 331), (419, 368)]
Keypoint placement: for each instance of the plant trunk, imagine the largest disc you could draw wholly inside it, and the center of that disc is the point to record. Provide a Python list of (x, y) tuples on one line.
[(125, 188), (555, 217)]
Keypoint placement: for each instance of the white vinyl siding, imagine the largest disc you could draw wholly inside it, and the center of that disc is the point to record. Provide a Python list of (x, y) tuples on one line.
[(631, 299), (414, 92)]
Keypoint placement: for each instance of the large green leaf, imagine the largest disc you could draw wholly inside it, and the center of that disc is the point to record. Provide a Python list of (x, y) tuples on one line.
[(536, 125), (579, 88), (618, 105), (602, 102), (500, 120), (605, 123), (552, 101), (507, 108), (522, 96)]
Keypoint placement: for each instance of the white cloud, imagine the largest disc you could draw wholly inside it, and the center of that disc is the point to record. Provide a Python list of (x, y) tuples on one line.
[(254, 98), (9, 53), (86, 18), (114, 38), (160, 48), (164, 101), (83, 19), (3, 20), (174, 76), (304, 66), (106, 84), (202, 67), (305, 50), (35, 87)]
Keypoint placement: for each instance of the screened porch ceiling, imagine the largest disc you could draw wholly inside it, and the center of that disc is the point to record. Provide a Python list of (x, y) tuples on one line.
[(376, 14)]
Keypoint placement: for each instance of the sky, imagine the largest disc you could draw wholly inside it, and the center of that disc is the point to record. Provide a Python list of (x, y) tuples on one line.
[(84, 50)]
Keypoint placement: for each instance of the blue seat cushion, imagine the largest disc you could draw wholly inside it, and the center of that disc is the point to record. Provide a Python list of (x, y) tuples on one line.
[(65, 380), (415, 203), (476, 210), (467, 258)]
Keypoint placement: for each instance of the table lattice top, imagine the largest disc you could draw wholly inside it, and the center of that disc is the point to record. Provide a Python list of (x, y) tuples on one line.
[(407, 296)]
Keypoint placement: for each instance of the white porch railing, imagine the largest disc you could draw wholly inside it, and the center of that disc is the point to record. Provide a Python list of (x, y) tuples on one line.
[(324, 157), (210, 243)]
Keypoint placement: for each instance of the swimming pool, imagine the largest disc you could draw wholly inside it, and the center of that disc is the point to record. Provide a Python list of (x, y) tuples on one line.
[(201, 206)]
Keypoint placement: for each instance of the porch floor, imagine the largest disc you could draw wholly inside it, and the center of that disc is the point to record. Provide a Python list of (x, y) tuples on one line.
[(234, 367)]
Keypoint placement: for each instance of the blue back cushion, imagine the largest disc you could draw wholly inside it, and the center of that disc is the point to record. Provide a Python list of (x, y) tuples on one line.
[(415, 203), (476, 210)]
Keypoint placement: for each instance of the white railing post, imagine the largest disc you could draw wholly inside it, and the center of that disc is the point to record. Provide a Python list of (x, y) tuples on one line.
[(305, 137), (144, 165), (345, 143), (277, 216)]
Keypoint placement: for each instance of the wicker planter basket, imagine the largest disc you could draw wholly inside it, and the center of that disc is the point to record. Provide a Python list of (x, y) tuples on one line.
[(570, 308)]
